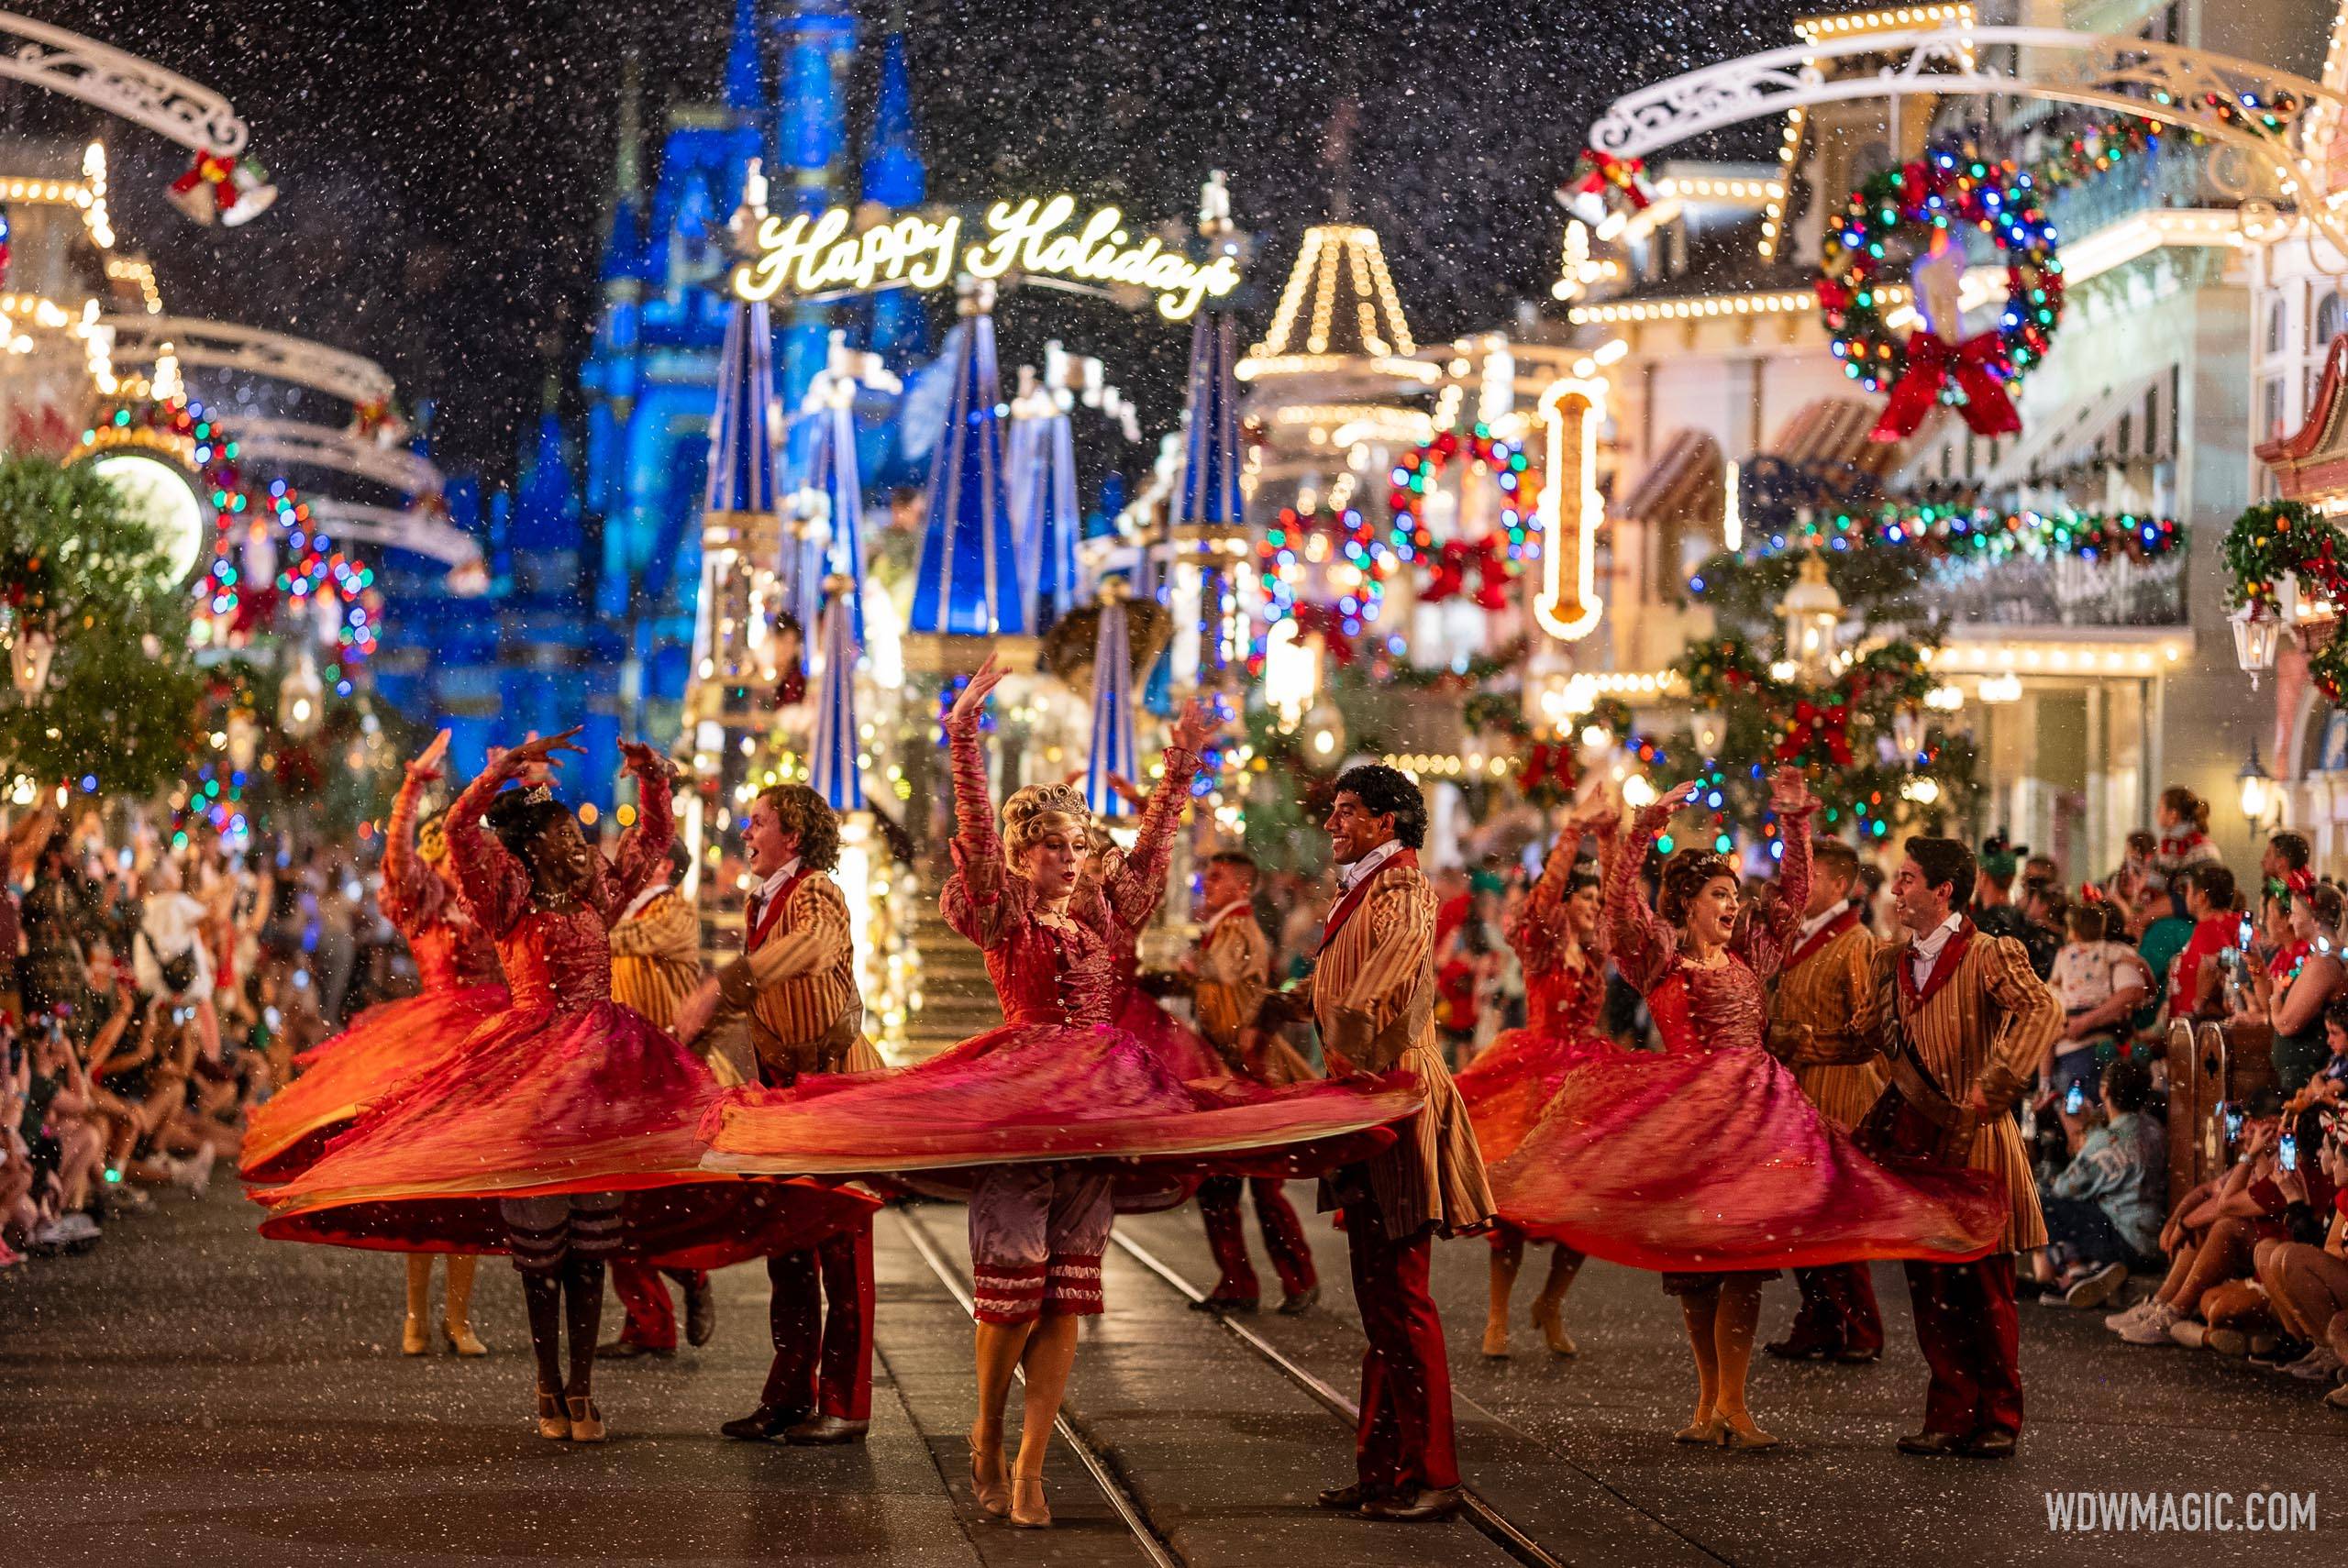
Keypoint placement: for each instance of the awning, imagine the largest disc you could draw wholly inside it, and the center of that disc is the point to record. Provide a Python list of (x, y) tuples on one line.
[(1684, 480), (1831, 432)]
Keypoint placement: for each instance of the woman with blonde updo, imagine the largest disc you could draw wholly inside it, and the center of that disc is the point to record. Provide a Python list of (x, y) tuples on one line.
[(1045, 1122), (387, 1045), (1708, 1164)]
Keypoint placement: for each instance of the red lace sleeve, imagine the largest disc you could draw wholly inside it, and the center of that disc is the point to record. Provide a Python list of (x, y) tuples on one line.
[(494, 887), (1640, 943), (413, 893), (643, 858), (1536, 931), (1138, 884), (973, 901), (1767, 935)]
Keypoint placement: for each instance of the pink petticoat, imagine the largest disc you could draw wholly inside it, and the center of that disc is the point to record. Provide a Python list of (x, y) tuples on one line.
[(540, 1100), (1714, 1160)]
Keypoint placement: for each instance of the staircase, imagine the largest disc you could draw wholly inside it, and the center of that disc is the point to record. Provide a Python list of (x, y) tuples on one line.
[(956, 1001)]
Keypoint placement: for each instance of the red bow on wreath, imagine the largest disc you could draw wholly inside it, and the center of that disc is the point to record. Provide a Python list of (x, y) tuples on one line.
[(209, 169), (256, 610), (1548, 763), (1932, 364), (1447, 573), (1816, 726), (1324, 619), (1598, 173)]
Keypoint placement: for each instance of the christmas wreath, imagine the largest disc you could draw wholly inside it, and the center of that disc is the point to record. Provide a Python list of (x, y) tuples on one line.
[(2282, 542), (1600, 178), (1326, 570), (1493, 560), (1928, 197)]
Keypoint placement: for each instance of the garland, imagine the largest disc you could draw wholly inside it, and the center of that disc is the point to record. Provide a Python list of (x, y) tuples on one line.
[(1950, 533), (1448, 565), (2279, 539), (1934, 193), (1447, 678)]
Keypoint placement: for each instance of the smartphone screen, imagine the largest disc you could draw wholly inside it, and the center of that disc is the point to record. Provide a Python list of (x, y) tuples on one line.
[(2233, 1126), (2077, 1100), (2249, 934), (2286, 1152)]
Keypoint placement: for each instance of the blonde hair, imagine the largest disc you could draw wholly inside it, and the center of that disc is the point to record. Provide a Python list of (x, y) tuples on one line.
[(1035, 810)]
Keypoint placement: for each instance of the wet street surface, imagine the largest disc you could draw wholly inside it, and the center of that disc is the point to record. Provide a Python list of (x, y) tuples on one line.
[(188, 1393)]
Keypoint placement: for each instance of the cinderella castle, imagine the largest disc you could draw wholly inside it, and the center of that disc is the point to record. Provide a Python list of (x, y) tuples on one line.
[(595, 552)]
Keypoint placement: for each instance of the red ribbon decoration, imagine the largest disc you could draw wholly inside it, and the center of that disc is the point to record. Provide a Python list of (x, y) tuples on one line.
[(1932, 364), (209, 169)]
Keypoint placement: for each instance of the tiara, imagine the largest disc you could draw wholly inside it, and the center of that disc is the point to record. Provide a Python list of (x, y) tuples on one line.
[(538, 795), (1054, 798)]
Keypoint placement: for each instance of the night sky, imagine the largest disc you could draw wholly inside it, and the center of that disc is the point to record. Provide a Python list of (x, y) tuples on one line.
[(446, 165)]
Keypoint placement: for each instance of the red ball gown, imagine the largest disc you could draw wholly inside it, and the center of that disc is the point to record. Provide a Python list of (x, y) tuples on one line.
[(1511, 1081), (1060, 1082), (565, 1091), (1709, 1156), (341, 1078)]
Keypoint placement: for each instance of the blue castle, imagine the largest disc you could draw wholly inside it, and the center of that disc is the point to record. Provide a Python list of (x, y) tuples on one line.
[(596, 554)]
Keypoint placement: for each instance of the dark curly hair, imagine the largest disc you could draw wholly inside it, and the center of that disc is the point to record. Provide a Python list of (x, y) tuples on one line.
[(520, 818), (1387, 792), (801, 811), (1685, 875)]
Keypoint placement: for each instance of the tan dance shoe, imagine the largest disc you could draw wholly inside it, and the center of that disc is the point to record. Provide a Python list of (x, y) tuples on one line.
[(413, 1340), (994, 1497), (463, 1340), (1027, 1509), (586, 1420), (1705, 1433), (1496, 1339), (1549, 1317), (552, 1422)]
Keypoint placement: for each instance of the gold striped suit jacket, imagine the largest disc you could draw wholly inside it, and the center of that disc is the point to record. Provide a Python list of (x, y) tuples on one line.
[(1373, 1000), (656, 957), (1830, 1006), (1986, 1027), (799, 985)]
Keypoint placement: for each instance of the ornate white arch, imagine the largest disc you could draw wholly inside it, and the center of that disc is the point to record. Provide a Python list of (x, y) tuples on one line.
[(169, 105), (2157, 81), (411, 529), (221, 345), (318, 447)]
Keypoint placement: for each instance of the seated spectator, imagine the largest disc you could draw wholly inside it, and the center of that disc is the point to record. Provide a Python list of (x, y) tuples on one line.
[(2286, 859), (2290, 991), (2103, 1211), (2212, 1237), (2305, 1274), (2327, 1089), (2197, 977), (2101, 985), (2182, 818), (171, 957)]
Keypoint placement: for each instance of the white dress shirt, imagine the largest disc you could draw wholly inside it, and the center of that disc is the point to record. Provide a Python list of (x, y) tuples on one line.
[(1811, 928), (1353, 874), (1925, 951), (770, 888)]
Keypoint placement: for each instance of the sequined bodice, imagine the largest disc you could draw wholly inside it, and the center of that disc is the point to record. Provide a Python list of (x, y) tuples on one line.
[(560, 959), (1046, 974), (450, 954), (1720, 1007)]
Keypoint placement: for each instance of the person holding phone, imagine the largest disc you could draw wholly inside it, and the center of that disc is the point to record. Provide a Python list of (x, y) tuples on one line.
[(2197, 980), (2100, 983), (2291, 991), (2306, 1272), (2103, 1210)]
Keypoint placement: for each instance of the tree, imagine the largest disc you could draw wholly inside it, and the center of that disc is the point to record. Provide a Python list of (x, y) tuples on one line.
[(117, 713)]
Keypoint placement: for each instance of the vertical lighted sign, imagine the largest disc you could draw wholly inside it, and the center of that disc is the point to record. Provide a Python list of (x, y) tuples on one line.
[(1568, 607)]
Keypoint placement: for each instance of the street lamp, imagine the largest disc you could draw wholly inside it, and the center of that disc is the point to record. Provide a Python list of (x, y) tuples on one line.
[(1709, 730), (1908, 734), (301, 698), (2254, 639), (2257, 788), (1812, 611)]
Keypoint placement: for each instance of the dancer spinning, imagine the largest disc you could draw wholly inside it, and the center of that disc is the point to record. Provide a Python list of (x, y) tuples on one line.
[(386, 1045), (1227, 976), (796, 984), (1555, 935), (1373, 997), (1707, 1163), (561, 1130), (1822, 1023), (1033, 1117)]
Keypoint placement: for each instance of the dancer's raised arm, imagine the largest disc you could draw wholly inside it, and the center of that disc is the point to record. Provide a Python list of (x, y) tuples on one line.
[(1766, 933), (643, 855), (1137, 885), (495, 886), (413, 892), (1641, 943), (972, 901)]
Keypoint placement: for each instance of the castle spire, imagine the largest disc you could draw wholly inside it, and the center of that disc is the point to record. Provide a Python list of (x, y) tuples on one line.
[(745, 78), (967, 581), (895, 178)]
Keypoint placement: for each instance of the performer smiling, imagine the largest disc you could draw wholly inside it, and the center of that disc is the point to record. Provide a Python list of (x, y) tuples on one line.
[(1373, 997)]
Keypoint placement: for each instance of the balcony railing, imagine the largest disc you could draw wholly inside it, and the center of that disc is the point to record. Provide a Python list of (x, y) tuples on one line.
[(2060, 590)]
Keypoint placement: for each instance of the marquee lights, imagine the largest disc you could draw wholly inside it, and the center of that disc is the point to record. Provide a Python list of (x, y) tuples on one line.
[(800, 254), (1567, 606)]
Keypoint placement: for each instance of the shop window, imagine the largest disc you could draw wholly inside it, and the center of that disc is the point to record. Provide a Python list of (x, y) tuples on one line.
[(2327, 323)]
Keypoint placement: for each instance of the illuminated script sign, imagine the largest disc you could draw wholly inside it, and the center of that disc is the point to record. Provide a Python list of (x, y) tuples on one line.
[(808, 255)]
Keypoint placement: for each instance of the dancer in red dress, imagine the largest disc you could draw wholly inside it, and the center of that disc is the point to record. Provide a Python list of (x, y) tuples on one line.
[(563, 1130), (1707, 1162), (1227, 976), (1555, 935), (385, 1045), (1038, 1119)]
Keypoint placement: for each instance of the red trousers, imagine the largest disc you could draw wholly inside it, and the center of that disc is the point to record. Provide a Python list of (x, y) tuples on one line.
[(652, 1316), (1972, 1340), (822, 1359), (1404, 1438), (1226, 1233), (1838, 1311)]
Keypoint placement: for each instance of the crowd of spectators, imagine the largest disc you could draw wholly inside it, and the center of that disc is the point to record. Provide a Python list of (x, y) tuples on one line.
[(155, 994)]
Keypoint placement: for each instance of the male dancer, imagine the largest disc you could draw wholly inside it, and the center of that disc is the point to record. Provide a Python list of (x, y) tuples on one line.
[(1823, 1023), (796, 982), (655, 964), (1229, 973), (1964, 1022), (1373, 999)]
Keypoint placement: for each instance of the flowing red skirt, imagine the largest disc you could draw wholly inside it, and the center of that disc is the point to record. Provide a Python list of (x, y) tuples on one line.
[(1183, 1048), (1511, 1083), (1044, 1092), (1716, 1161), (542, 1101), (340, 1077)]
